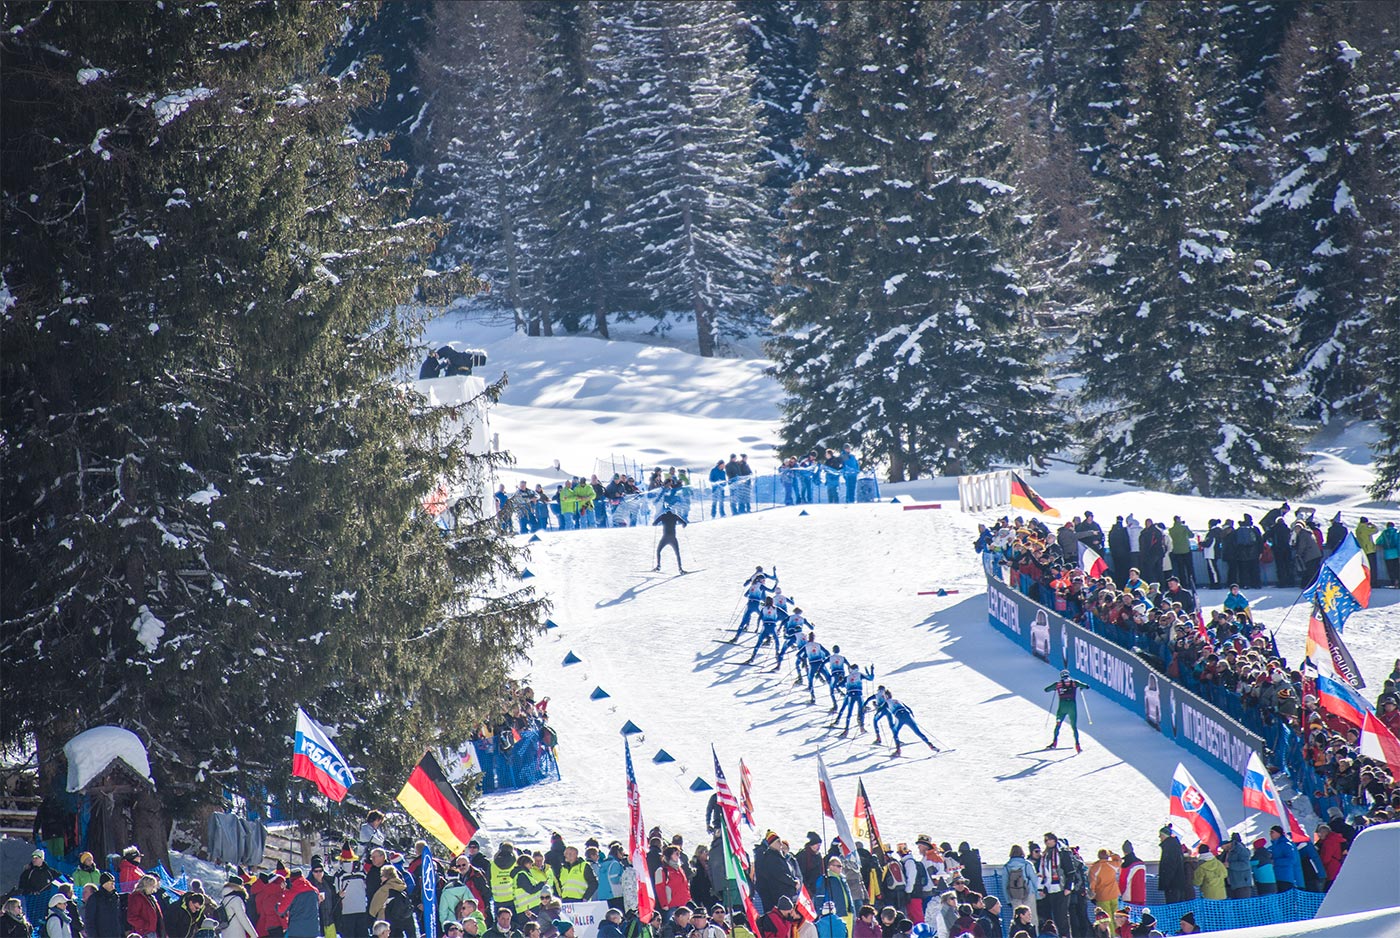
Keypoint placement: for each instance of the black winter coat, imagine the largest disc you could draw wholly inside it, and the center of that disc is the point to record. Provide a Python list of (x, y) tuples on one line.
[(775, 876), (102, 916), (1171, 869)]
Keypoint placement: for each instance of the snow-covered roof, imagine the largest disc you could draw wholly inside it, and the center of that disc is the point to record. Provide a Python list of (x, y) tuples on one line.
[(90, 753)]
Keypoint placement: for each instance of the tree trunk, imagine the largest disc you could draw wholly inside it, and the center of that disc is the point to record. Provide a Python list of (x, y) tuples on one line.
[(896, 456), (150, 827)]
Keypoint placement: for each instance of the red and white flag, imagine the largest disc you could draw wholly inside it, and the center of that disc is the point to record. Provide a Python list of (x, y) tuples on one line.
[(805, 906), (637, 842), (1378, 742), (1090, 561), (832, 810), (746, 793)]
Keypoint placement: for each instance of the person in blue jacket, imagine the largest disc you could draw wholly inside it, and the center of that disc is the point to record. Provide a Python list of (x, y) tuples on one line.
[(850, 471), (1287, 870), (718, 479), (610, 871), (755, 589)]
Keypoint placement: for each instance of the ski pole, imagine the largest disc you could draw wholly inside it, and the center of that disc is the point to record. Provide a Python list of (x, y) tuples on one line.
[(1087, 714), (1050, 710)]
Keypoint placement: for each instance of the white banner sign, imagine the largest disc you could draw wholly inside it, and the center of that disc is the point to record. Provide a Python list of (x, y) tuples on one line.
[(585, 915)]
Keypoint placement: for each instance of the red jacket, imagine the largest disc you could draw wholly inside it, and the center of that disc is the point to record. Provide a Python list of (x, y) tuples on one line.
[(268, 896), (1132, 882), (127, 874), (143, 915), (1330, 850), (300, 884), (672, 888)]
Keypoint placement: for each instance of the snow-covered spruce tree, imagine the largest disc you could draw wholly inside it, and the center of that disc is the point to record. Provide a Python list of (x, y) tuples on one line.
[(904, 334), (1185, 358), (212, 474), (687, 191), (1328, 216), (583, 276), (394, 35), (480, 144), (784, 46)]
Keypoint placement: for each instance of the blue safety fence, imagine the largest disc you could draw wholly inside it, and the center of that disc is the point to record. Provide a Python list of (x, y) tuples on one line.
[(527, 762), (698, 500), (1295, 905)]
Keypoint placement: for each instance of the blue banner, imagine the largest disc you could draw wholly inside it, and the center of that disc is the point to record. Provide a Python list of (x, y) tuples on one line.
[(427, 875), (1123, 677)]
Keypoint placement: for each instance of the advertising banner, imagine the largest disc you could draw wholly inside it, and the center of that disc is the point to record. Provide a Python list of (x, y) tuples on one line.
[(585, 915)]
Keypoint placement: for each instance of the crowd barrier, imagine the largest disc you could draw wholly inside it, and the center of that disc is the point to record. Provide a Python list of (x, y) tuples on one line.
[(1295, 905), (703, 501), (1123, 677), (527, 762)]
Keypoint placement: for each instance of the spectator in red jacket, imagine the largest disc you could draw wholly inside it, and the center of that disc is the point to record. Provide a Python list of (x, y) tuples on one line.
[(143, 911), (1331, 846), (267, 893), (129, 870), (1132, 877)]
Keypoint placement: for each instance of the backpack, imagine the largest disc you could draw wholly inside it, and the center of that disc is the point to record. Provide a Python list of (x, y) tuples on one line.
[(1245, 536), (1017, 885)]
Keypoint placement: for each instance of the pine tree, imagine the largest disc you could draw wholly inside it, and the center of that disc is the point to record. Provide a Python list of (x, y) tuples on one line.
[(478, 68), (1329, 217), (686, 191), (904, 332), (1186, 382), (394, 34), (784, 46), (213, 475)]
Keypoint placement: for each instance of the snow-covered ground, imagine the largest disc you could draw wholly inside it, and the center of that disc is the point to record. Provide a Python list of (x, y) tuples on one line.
[(650, 640)]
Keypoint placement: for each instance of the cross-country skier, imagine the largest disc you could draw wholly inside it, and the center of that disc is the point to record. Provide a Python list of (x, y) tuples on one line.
[(793, 627), (903, 716), (854, 704), (1067, 689), (668, 520), (835, 674), (755, 589), (816, 663), (768, 619), (881, 705)]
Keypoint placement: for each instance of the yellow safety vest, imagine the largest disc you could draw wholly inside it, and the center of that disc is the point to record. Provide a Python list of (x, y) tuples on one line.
[(502, 883), (527, 901), (571, 884)]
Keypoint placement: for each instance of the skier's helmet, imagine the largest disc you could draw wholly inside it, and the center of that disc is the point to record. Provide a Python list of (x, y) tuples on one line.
[(1064, 675)]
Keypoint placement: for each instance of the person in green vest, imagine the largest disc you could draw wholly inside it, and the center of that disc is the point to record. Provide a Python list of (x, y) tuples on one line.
[(1366, 532), (501, 875), (584, 496), (568, 506), (575, 881), (529, 885)]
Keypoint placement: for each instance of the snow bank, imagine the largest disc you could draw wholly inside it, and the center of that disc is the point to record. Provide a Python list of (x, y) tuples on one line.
[(89, 753), (1363, 885)]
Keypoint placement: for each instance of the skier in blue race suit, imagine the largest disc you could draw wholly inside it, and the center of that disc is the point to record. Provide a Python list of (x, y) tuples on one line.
[(768, 619), (793, 627), (882, 712), (854, 702), (755, 588), (903, 716)]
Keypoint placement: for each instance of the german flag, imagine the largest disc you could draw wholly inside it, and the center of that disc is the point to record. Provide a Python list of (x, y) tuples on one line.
[(1023, 496), (432, 801)]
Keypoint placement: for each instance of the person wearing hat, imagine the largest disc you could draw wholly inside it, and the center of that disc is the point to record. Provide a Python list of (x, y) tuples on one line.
[(611, 925), (1171, 868), (102, 911), (1147, 922), (782, 922), (1287, 870), (1210, 875), (809, 862), (299, 907), (776, 875), (58, 923), (1188, 925), (38, 876), (1067, 690), (609, 874), (129, 870)]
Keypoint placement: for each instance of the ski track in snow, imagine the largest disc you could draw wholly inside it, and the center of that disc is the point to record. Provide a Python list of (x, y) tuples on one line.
[(650, 639)]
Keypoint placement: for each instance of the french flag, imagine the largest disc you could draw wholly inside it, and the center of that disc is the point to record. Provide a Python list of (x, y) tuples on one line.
[(1090, 561), (1337, 698), (1352, 568), (1190, 804)]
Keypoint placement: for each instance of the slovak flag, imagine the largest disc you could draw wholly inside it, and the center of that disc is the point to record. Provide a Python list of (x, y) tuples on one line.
[(1260, 794), (1090, 561), (1337, 698), (315, 757), (1190, 805)]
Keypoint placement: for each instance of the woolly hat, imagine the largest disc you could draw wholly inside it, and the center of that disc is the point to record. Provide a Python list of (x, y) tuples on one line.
[(563, 926), (1190, 918), (1100, 915), (1261, 842), (813, 838), (233, 879), (1148, 918), (771, 836), (37, 853), (104, 878)]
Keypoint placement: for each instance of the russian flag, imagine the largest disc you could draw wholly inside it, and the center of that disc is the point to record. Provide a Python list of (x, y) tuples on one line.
[(1337, 698), (1090, 561), (1190, 805), (315, 757)]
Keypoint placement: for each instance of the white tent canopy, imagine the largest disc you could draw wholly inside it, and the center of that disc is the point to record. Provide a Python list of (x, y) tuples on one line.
[(91, 752)]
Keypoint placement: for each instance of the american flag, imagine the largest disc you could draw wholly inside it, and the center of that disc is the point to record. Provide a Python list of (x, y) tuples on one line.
[(637, 842), (746, 793), (729, 808)]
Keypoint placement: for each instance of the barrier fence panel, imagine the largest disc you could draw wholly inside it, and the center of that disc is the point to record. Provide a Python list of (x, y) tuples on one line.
[(984, 491)]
